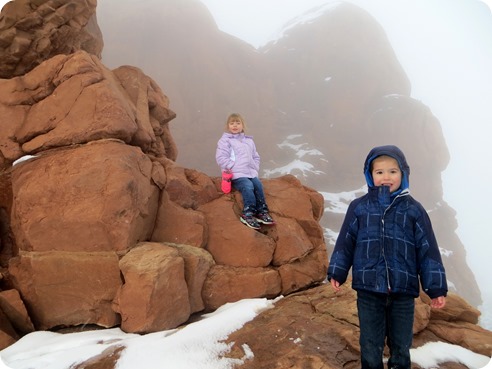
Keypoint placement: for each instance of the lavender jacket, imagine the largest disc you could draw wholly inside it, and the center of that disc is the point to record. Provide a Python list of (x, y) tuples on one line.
[(237, 152)]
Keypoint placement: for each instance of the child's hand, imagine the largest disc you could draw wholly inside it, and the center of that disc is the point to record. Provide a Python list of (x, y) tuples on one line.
[(438, 302), (335, 285)]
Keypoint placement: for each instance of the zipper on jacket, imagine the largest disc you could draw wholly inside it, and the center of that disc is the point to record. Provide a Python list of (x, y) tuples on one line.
[(403, 193), (382, 251), (382, 241)]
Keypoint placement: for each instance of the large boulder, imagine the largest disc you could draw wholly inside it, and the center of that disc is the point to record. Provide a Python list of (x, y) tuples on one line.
[(154, 296), (319, 328), (88, 198), (162, 286), (230, 242), (74, 99), (67, 288), (229, 284)]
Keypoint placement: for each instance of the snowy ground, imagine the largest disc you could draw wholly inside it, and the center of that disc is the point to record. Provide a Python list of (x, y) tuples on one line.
[(198, 345)]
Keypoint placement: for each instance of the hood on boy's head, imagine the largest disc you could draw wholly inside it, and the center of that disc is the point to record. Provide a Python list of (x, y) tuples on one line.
[(395, 153)]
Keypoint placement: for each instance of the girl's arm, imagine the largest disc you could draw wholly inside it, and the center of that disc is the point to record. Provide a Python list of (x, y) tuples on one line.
[(223, 155), (255, 156)]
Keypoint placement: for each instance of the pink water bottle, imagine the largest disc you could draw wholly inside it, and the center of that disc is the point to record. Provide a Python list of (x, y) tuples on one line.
[(226, 184)]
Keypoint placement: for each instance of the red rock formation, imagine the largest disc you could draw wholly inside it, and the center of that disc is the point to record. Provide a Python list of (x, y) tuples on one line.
[(98, 181), (74, 99), (34, 31), (154, 295), (319, 329)]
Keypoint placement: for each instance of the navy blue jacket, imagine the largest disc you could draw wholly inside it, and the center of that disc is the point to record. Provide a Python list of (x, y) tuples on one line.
[(388, 240)]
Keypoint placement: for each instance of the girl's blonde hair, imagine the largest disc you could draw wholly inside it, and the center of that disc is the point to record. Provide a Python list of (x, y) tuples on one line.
[(235, 116)]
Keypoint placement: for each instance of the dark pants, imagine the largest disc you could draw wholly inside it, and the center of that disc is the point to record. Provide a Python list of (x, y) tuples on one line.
[(385, 316), (252, 192)]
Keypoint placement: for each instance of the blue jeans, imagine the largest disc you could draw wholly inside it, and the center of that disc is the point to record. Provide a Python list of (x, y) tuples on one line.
[(252, 192), (385, 316)]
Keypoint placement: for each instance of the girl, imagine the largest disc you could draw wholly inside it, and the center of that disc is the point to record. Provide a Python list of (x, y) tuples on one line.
[(236, 152)]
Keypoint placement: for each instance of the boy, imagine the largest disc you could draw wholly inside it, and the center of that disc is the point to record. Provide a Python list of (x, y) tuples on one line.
[(387, 239)]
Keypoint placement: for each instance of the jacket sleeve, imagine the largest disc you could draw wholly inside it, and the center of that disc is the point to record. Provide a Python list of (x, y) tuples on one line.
[(223, 155), (256, 157), (429, 261), (343, 255)]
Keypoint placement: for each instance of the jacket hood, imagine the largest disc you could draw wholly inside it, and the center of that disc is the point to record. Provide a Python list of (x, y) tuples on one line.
[(395, 153)]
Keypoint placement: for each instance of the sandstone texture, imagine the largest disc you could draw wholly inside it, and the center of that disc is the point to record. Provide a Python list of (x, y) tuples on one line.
[(34, 31)]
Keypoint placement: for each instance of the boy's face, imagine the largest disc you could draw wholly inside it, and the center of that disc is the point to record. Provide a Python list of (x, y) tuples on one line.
[(386, 172), (235, 125)]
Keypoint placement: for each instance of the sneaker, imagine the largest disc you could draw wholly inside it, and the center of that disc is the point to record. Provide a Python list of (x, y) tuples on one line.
[(249, 220), (264, 218)]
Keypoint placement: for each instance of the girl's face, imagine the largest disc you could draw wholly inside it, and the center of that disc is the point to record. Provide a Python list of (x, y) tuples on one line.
[(386, 172), (235, 125)]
